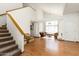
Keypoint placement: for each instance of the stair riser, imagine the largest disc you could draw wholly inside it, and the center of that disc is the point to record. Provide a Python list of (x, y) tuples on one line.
[(8, 50), (6, 39), (2, 28), (1, 54), (7, 44), (2, 35), (4, 31)]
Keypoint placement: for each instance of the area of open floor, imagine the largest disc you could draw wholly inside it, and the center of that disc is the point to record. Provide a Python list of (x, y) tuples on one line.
[(51, 47)]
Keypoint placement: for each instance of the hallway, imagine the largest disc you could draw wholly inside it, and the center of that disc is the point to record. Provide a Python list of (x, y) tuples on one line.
[(51, 47)]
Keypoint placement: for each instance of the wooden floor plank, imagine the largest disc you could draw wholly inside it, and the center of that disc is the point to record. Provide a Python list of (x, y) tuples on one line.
[(51, 47)]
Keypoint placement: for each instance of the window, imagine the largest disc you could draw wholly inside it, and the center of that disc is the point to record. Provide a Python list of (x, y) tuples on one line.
[(51, 26)]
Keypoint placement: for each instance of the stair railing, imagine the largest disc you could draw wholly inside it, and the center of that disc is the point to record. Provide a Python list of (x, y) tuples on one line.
[(16, 24)]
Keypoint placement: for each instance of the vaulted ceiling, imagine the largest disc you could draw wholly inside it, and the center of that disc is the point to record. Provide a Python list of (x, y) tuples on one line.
[(55, 8), (71, 8)]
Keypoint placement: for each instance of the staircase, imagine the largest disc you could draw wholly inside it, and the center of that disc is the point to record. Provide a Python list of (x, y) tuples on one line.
[(8, 47)]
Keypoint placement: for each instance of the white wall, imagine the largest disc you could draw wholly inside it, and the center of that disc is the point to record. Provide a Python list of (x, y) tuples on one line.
[(38, 27), (39, 15), (23, 18), (68, 24), (41, 26), (3, 20), (9, 6), (40, 20), (69, 27), (5, 7), (17, 36)]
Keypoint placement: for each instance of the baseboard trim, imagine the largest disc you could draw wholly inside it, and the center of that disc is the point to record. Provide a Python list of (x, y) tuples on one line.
[(68, 40)]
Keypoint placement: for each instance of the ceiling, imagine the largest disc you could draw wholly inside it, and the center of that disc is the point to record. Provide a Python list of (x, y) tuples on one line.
[(9, 6), (59, 9), (71, 8), (55, 8)]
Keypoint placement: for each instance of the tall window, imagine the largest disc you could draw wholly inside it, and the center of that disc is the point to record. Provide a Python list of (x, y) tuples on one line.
[(52, 26)]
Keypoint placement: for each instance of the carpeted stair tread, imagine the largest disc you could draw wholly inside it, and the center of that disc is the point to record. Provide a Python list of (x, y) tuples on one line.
[(7, 48), (3, 30), (5, 37), (15, 52), (5, 34), (5, 43)]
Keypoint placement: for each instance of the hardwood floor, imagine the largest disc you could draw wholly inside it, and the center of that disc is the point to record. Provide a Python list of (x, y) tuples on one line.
[(51, 47)]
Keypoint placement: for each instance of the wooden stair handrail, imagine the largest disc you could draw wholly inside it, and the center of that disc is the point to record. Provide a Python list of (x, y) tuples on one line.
[(16, 24)]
